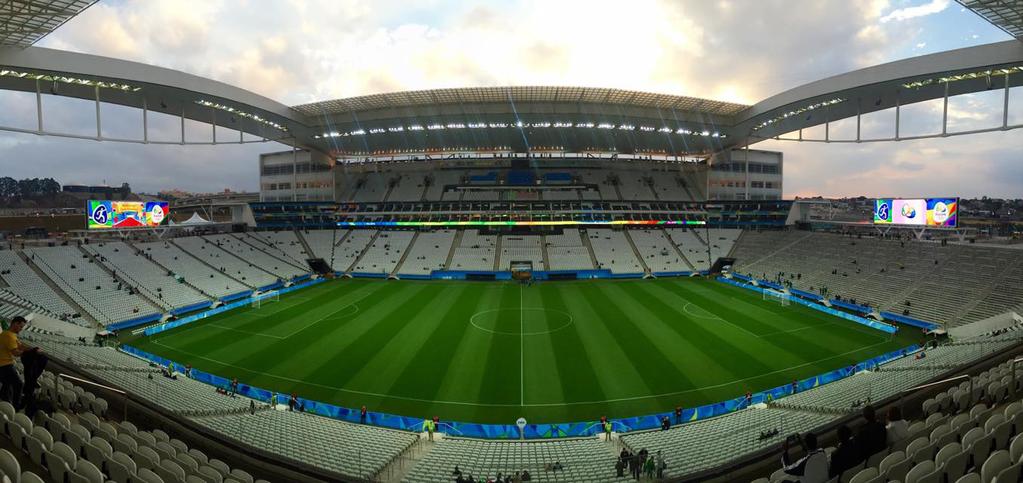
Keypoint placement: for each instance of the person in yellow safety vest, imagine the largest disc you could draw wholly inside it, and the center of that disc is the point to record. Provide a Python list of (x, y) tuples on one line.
[(607, 430), (429, 428)]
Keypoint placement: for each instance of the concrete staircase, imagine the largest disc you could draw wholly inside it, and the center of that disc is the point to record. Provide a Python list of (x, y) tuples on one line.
[(589, 248), (404, 254), (305, 245), (56, 289), (215, 269), (262, 246), (126, 279), (497, 253), (358, 259), (635, 251), (400, 466), (679, 252), (454, 246), (543, 252), (166, 269)]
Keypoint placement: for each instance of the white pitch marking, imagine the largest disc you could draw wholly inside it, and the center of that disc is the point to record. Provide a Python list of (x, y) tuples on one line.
[(465, 403)]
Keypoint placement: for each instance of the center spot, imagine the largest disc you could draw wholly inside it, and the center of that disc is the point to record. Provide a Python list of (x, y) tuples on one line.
[(524, 321)]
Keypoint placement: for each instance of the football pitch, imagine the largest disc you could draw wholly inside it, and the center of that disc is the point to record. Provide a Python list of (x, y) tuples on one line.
[(490, 352)]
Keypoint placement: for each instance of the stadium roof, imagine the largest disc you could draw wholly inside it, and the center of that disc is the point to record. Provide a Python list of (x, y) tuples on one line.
[(1004, 14), (542, 94), (24, 22)]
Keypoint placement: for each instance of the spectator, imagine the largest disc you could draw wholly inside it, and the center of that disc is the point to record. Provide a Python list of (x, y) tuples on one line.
[(665, 423), (292, 402), (661, 465), (10, 347), (846, 455), (362, 415), (234, 386), (620, 467), (648, 468), (812, 467), (872, 436), (525, 475), (898, 428), (607, 430)]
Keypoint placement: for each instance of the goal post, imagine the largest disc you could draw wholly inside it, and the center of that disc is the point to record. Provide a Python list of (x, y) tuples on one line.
[(776, 296), (259, 299)]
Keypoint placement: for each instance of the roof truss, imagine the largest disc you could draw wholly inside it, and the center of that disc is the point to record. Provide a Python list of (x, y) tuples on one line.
[(24, 22), (1004, 14)]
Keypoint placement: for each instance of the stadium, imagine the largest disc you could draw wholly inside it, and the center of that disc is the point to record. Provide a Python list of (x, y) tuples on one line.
[(457, 284)]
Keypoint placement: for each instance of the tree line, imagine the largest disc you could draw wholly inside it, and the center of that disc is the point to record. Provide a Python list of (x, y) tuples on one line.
[(12, 189)]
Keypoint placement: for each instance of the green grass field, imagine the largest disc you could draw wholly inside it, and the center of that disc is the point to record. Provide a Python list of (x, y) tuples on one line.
[(491, 352)]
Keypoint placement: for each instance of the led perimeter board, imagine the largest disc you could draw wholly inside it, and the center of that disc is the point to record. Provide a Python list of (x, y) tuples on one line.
[(929, 212), (104, 214)]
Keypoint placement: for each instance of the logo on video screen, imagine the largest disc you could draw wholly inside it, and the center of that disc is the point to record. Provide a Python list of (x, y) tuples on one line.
[(940, 212), (100, 215), (156, 214), (908, 211), (882, 211)]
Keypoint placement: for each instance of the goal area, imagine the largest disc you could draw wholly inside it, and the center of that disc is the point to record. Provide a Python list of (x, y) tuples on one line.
[(776, 296), (259, 299)]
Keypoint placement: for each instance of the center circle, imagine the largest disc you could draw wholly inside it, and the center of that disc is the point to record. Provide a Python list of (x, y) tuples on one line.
[(521, 321)]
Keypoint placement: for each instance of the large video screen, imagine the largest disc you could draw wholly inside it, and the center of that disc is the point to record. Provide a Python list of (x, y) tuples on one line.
[(933, 212), (126, 214)]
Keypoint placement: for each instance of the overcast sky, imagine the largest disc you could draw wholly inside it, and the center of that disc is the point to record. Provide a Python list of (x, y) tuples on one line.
[(299, 51)]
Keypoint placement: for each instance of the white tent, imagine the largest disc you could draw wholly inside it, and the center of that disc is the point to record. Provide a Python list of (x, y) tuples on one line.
[(196, 220)]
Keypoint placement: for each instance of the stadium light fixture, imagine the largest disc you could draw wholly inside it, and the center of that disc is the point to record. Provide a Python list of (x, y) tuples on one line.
[(964, 76), (801, 110), (239, 112), (68, 80)]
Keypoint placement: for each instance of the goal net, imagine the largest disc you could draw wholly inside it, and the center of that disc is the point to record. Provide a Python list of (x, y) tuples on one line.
[(776, 296), (259, 299)]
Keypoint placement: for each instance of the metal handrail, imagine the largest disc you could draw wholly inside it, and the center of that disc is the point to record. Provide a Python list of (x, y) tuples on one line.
[(123, 393), (1012, 364), (902, 395)]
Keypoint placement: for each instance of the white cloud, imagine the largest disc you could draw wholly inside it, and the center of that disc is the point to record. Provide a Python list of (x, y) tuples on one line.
[(300, 51), (930, 8)]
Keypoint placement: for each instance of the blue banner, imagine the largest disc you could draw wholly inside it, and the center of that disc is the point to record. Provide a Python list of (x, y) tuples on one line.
[(156, 329), (873, 324)]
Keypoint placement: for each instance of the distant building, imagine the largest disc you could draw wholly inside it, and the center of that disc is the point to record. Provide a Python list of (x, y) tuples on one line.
[(85, 192)]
